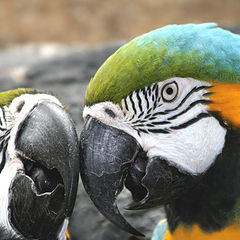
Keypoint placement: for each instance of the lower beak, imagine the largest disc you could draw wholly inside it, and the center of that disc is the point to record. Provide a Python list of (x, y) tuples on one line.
[(106, 155), (47, 140)]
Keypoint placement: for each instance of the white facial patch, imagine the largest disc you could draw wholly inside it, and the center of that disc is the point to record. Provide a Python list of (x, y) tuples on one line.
[(169, 119), (193, 148)]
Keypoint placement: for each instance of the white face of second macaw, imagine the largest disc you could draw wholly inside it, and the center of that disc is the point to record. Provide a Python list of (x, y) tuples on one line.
[(169, 119)]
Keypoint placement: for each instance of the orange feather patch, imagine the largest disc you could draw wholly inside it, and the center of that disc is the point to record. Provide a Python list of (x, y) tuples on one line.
[(225, 99), (195, 233)]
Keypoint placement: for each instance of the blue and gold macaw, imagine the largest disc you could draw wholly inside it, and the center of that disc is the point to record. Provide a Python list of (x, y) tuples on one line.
[(39, 159), (162, 117)]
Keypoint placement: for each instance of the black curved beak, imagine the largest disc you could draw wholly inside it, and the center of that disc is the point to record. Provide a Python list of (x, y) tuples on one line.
[(47, 138), (106, 155)]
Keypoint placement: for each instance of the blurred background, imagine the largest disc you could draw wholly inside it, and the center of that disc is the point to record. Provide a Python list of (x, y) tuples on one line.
[(92, 21), (58, 45)]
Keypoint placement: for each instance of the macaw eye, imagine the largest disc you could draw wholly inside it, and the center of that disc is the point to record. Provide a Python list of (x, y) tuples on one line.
[(169, 91)]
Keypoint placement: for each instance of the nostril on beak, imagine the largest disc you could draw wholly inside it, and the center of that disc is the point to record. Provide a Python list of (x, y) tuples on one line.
[(20, 106), (110, 113)]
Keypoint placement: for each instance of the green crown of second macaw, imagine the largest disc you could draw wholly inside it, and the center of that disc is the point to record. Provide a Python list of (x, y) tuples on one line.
[(162, 118)]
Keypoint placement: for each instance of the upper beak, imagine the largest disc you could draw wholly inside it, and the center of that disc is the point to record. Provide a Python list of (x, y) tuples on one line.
[(106, 155), (47, 137)]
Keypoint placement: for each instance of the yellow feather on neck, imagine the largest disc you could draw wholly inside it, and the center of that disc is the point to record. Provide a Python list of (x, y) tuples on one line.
[(195, 233)]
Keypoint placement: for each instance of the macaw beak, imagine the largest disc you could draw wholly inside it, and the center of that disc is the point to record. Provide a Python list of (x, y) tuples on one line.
[(110, 159), (106, 155), (47, 144)]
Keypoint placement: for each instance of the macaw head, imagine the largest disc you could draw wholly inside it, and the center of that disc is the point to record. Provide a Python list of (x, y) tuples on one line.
[(39, 158), (158, 117)]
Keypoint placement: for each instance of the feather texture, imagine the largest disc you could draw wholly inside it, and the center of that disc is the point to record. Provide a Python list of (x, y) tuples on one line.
[(201, 51)]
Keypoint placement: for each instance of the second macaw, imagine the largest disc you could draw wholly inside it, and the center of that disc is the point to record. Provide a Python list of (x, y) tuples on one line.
[(39, 166)]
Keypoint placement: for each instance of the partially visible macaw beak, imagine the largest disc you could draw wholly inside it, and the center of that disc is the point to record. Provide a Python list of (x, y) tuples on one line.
[(106, 155), (43, 194)]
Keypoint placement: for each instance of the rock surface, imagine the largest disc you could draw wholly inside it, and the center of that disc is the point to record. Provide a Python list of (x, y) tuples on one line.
[(66, 71)]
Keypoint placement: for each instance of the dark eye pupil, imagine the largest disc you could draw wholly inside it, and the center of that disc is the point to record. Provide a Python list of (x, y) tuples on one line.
[(169, 91)]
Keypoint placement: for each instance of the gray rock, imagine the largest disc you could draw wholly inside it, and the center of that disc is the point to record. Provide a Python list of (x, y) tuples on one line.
[(65, 71)]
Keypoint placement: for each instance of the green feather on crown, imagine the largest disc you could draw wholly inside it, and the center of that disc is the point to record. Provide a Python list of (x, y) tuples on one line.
[(7, 96), (201, 51)]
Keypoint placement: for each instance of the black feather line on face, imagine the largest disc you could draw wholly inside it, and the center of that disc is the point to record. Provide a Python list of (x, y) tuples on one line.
[(146, 98), (191, 121), (3, 141), (139, 101), (164, 131), (139, 116), (126, 105), (3, 148), (202, 101), (133, 104), (2, 120), (149, 90), (195, 89)]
